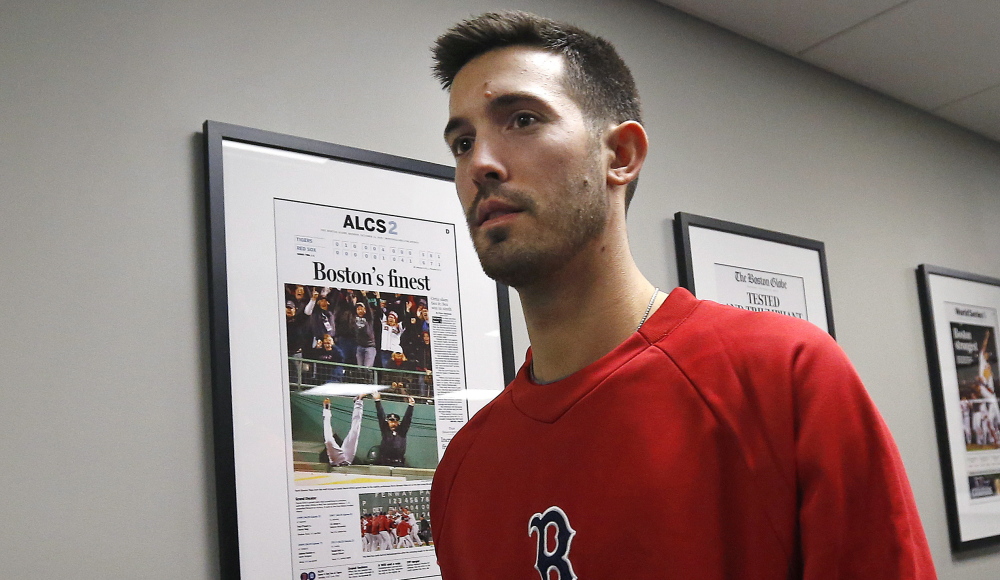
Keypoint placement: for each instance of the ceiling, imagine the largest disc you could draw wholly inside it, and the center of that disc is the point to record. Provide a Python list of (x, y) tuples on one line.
[(942, 56)]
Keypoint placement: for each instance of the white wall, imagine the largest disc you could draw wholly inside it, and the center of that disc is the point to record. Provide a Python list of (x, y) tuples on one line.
[(105, 424)]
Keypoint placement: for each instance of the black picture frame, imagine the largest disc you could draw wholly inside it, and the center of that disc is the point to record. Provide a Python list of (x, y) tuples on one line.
[(959, 315), (216, 134), (772, 254)]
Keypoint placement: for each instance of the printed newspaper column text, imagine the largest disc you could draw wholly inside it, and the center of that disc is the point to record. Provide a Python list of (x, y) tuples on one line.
[(323, 530), (451, 412)]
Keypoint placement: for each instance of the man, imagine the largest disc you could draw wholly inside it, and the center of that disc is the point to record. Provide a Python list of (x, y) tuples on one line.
[(422, 362), (403, 539), (411, 521), (966, 406), (381, 530), (364, 335), (416, 324), (367, 540), (425, 530), (342, 454), (327, 353), (299, 338), (391, 334), (392, 449), (747, 437), (321, 320), (343, 314), (296, 320)]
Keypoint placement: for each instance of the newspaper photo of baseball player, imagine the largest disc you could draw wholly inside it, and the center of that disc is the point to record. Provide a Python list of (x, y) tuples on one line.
[(976, 367)]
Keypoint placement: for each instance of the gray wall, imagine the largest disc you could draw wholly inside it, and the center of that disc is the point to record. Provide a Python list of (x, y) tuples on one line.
[(104, 415)]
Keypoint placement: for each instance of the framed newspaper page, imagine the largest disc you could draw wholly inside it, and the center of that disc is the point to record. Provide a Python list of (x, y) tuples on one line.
[(961, 324), (353, 333), (753, 268)]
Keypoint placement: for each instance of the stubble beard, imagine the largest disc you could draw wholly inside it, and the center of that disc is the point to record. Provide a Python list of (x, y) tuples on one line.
[(568, 223)]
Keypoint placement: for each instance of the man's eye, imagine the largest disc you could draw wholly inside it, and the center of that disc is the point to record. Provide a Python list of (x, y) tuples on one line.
[(461, 145), (524, 119)]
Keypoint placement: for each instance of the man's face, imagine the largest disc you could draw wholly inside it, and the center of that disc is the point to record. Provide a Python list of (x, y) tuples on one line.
[(529, 171), (392, 424), (328, 342), (323, 303), (391, 319), (360, 309), (300, 292)]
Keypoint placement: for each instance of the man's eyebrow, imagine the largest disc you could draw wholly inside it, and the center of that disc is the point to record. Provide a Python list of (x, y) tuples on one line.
[(509, 99), (453, 124)]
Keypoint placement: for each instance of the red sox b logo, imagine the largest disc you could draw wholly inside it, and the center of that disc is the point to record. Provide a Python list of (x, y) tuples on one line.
[(555, 557)]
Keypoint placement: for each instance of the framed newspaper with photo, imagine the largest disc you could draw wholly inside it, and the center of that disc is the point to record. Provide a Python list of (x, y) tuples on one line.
[(353, 333), (753, 268), (960, 317)]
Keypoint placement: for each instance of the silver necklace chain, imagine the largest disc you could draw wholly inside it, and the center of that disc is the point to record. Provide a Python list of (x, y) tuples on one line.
[(649, 307)]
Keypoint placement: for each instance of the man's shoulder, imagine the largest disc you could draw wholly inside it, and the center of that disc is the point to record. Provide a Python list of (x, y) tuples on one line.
[(707, 325), (734, 354)]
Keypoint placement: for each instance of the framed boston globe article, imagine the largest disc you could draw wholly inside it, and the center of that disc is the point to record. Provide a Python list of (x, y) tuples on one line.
[(753, 268), (960, 318), (353, 333)]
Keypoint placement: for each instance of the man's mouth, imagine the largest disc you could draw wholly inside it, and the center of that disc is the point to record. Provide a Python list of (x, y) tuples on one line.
[(494, 210)]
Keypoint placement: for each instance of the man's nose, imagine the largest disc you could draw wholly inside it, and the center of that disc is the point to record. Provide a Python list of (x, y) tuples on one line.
[(487, 162)]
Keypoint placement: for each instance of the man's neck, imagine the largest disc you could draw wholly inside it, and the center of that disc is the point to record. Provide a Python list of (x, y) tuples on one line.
[(585, 310)]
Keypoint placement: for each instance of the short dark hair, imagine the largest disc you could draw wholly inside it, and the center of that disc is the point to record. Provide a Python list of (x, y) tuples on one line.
[(598, 79)]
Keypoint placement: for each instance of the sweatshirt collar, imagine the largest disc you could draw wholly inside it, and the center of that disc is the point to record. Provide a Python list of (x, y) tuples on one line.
[(548, 402)]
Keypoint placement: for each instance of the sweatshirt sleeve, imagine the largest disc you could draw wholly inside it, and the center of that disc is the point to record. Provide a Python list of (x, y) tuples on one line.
[(857, 515)]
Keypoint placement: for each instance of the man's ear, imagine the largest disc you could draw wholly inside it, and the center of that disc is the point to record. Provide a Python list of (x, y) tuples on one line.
[(628, 144)]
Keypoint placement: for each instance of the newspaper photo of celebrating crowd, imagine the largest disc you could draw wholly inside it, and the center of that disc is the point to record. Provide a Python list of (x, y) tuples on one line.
[(361, 382)]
